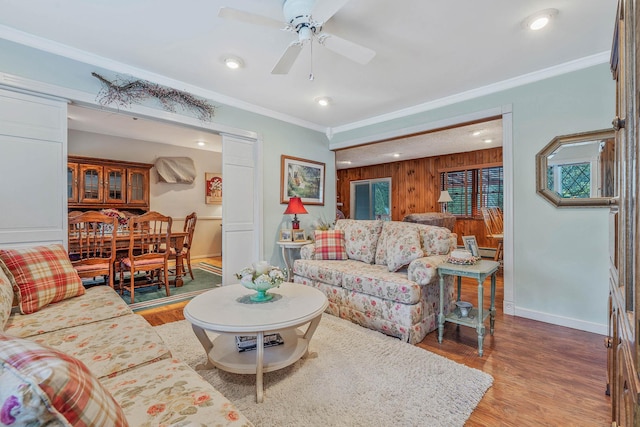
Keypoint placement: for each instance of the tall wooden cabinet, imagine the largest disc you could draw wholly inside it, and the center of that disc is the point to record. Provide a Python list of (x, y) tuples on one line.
[(98, 184), (624, 289)]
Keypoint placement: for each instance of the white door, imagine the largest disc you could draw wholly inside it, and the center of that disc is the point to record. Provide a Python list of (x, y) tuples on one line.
[(241, 206), (33, 172)]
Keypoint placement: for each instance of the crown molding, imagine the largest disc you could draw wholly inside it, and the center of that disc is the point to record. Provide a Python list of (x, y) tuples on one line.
[(567, 67), (49, 46), (86, 99), (66, 51)]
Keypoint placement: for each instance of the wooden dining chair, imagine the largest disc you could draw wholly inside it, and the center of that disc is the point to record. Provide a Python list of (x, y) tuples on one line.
[(149, 236), (189, 228), (495, 228), (92, 246)]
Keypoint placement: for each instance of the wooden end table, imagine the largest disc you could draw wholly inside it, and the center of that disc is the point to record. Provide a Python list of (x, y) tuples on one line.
[(477, 316), (228, 311)]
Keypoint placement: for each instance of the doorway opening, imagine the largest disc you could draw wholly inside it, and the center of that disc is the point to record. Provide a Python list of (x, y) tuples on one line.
[(371, 199)]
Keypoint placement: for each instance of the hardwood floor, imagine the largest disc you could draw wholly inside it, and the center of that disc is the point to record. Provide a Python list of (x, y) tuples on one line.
[(544, 375)]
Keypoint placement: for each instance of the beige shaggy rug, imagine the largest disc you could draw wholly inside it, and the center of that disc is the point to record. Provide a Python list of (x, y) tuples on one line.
[(352, 377)]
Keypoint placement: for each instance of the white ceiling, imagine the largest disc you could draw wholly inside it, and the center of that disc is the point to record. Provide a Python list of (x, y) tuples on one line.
[(477, 136), (131, 127), (426, 51)]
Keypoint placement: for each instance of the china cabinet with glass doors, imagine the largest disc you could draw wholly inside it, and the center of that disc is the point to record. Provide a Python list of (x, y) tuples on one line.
[(98, 184), (623, 361)]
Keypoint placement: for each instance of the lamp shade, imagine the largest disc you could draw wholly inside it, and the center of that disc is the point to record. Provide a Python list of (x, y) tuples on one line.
[(295, 206), (445, 197)]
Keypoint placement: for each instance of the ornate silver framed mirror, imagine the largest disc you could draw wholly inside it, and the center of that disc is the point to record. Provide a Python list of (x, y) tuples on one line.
[(578, 170)]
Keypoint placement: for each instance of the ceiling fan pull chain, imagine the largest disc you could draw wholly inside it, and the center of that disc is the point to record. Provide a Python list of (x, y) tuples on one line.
[(311, 59)]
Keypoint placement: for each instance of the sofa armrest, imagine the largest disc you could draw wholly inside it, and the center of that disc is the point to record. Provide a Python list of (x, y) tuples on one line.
[(308, 251), (424, 270)]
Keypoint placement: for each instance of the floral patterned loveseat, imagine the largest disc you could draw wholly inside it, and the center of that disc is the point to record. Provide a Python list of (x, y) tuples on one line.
[(387, 281), (82, 357)]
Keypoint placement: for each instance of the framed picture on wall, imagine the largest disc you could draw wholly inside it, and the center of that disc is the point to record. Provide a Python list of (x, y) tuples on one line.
[(471, 245), (301, 178), (213, 185)]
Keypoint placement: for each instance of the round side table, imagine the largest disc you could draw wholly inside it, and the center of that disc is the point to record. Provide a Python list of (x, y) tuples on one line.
[(287, 248)]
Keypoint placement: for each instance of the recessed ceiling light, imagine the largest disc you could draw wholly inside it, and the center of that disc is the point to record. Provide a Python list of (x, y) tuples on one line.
[(201, 143), (539, 20), (345, 162), (396, 154), (487, 140), (476, 133), (233, 62), (323, 101)]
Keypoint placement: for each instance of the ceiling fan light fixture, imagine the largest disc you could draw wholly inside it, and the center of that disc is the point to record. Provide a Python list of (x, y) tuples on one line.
[(539, 20), (323, 101), (233, 62)]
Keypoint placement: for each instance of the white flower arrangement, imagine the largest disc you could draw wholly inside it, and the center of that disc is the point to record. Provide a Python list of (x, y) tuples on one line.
[(260, 275), (323, 224)]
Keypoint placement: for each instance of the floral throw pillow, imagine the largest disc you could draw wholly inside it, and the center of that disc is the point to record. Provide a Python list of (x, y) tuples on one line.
[(41, 275), (42, 386), (435, 240), (402, 248), (330, 245), (361, 238)]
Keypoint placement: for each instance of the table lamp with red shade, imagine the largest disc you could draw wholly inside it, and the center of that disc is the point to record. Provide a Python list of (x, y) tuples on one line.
[(295, 207)]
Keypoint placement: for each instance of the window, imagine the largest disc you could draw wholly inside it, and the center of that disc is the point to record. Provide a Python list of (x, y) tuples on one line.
[(371, 199), (570, 180), (472, 189)]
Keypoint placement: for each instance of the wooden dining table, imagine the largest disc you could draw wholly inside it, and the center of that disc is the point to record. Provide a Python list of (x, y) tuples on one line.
[(123, 240), (176, 240)]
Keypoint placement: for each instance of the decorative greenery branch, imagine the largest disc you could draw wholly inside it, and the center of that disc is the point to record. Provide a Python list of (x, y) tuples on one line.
[(125, 92)]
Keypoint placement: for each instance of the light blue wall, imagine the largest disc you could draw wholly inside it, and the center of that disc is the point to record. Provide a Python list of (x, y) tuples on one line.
[(278, 137), (560, 255), (560, 259)]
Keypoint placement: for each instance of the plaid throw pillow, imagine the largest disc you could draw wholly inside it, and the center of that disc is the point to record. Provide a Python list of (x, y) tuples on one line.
[(43, 384), (330, 245), (41, 275), (6, 298)]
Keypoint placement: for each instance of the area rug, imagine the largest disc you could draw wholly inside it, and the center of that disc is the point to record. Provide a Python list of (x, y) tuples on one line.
[(352, 377), (205, 277)]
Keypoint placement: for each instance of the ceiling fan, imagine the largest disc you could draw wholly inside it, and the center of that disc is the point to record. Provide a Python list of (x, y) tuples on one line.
[(305, 18)]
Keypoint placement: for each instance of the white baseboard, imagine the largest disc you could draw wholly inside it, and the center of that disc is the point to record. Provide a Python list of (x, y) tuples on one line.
[(508, 307), (568, 322), (487, 253)]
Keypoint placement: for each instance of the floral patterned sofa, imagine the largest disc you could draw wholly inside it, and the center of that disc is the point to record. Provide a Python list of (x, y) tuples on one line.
[(380, 274), (76, 356)]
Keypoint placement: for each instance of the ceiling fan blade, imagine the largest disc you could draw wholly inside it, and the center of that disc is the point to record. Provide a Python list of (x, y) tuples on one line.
[(323, 10), (355, 52), (250, 18), (288, 58)]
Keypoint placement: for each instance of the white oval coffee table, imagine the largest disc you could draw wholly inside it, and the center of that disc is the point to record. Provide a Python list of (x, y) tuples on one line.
[(228, 311)]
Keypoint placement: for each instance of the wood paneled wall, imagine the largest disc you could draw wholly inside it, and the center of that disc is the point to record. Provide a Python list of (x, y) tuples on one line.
[(415, 186)]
